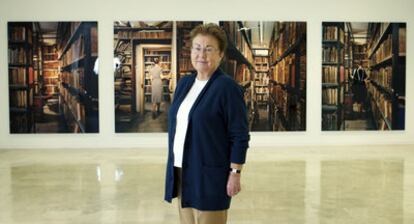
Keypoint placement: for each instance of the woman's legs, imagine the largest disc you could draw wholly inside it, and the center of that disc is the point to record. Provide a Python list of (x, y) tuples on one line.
[(194, 216)]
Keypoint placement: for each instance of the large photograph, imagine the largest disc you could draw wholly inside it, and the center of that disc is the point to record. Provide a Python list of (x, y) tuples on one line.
[(267, 59), (363, 76), (53, 77)]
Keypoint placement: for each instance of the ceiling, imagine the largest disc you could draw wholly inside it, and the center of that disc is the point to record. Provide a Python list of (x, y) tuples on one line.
[(360, 32), (256, 28), (48, 31)]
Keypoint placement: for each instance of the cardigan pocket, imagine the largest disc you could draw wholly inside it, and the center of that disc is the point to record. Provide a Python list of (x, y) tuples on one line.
[(215, 181)]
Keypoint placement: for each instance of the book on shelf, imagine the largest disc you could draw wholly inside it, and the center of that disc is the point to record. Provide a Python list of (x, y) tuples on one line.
[(383, 52), (330, 121), (330, 33), (145, 34), (381, 106), (383, 77), (18, 34), (330, 96), (17, 55), (17, 76), (19, 99), (330, 55), (402, 40)]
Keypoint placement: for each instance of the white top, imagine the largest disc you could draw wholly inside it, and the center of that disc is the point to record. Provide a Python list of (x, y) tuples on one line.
[(182, 120)]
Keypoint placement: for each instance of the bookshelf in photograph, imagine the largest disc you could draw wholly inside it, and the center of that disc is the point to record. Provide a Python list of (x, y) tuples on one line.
[(238, 64), (387, 59), (123, 75), (287, 54), (50, 70), (184, 47), (164, 57), (261, 80), (21, 77), (37, 73), (333, 75), (78, 90)]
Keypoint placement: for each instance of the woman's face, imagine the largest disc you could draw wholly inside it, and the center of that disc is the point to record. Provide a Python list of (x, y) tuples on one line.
[(205, 54)]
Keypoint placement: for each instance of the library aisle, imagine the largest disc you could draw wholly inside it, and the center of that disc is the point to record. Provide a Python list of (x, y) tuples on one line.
[(268, 59), (356, 184), (51, 85), (363, 76)]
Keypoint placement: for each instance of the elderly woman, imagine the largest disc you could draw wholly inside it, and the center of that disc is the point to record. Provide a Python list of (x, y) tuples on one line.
[(208, 134)]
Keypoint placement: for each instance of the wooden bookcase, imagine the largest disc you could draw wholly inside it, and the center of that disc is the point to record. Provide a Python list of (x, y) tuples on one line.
[(164, 56), (239, 64), (78, 89), (50, 70), (333, 75), (184, 47), (287, 54), (387, 59), (123, 75), (261, 80), (21, 77)]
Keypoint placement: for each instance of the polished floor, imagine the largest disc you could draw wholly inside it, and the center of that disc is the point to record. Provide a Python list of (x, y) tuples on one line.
[(290, 185)]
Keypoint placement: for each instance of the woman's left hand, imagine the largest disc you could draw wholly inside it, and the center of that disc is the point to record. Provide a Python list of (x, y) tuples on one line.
[(233, 184)]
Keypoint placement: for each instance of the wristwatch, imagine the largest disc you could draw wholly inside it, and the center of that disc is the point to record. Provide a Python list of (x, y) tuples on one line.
[(234, 170)]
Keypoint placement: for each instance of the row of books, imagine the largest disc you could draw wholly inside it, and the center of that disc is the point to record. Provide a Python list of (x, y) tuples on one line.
[(19, 123), (262, 98), (77, 49), (377, 32), (281, 97), (50, 64), (330, 96), (185, 64), (262, 89), (282, 70), (383, 52), (18, 55), (75, 78), (330, 55), (72, 108), (144, 35), (302, 68), (383, 77), (20, 34), (330, 74), (289, 34), (261, 60), (330, 121), (333, 33), (19, 98), (264, 77), (18, 76), (262, 67), (300, 117), (381, 107)]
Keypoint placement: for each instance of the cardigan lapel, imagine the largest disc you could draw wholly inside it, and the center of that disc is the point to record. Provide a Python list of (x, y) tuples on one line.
[(200, 96)]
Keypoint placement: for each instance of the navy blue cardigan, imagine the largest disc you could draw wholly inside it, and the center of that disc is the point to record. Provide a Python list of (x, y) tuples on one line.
[(217, 135)]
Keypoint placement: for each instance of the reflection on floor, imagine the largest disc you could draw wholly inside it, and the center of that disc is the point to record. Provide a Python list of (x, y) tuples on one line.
[(312, 185)]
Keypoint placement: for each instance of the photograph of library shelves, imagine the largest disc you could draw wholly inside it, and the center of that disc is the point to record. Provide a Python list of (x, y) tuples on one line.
[(267, 59), (363, 76), (53, 77)]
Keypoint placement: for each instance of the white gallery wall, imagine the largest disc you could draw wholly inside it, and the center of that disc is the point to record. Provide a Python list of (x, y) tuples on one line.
[(105, 13)]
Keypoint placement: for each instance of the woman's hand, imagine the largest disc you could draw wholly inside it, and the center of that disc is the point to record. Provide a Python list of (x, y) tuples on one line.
[(233, 184)]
